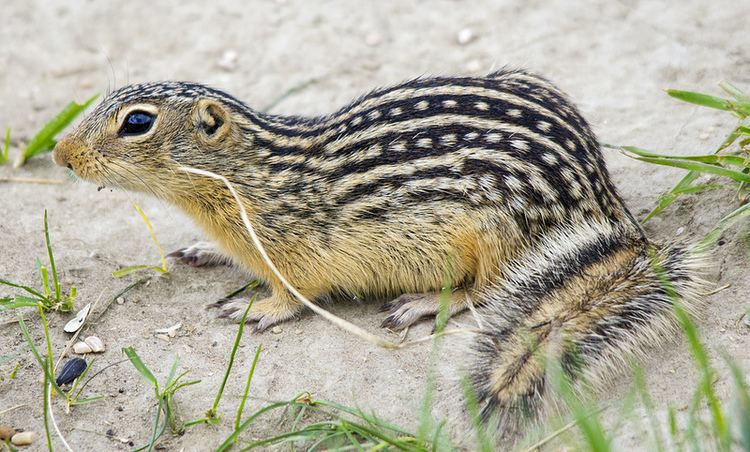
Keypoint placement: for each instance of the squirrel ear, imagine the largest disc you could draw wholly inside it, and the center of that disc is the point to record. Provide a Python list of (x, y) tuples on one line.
[(211, 119)]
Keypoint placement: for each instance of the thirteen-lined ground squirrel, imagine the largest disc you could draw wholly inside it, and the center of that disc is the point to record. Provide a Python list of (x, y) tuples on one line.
[(496, 181)]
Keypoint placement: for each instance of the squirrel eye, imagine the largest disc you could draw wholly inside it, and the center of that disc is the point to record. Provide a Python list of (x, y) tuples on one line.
[(137, 123)]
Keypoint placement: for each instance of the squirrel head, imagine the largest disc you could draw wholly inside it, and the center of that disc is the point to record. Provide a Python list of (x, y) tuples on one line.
[(139, 136)]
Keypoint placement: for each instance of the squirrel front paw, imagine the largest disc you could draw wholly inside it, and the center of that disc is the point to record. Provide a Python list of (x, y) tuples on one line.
[(201, 254), (264, 313), (407, 309)]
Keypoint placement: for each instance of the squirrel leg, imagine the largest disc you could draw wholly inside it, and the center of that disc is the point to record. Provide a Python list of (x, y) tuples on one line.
[(265, 312), (406, 309), (201, 254)]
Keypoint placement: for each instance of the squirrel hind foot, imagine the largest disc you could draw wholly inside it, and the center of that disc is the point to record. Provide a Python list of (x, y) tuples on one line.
[(201, 254), (407, 309), (263, 313)]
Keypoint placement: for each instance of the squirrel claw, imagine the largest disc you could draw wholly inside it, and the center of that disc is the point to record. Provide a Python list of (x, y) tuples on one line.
[(264, 313), (407, 309), (201, 254)]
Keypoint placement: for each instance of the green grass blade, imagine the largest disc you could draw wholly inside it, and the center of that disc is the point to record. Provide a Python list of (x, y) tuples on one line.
[(46, 403), (51, 256), (742, 414), (80, 379), (44, 140), (472, 405), (141, 368), (685, 183), (128, 270), (712, 237), (236, 433), (172, 372), (6, 304), (6, 148), (700, 357), (26, 288), (648, 404), (705, 100), (698, 167), (37, 356), (153, 237), (358, 413), (716, 159), (586, 418), (237, 339), (733, 91), (241, 408), (45, 281)]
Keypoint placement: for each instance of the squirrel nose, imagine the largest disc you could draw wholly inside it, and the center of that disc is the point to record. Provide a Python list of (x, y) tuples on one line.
[(61, 151)]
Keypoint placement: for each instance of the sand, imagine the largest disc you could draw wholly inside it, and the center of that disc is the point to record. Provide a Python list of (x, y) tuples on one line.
[(613, 58)]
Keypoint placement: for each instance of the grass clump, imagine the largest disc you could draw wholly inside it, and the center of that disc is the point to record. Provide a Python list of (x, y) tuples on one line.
[(733, 165), (166, 414), (44, 140), (51, 295)]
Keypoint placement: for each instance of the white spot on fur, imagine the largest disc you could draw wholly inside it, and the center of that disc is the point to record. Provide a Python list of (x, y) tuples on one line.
[(549, 158), (357, 121), (521, 145), (493, 137), (424, 143), (396, 111), (422, 105), (471, 136), (517, 203), (397, 146), (449, 103), (373, 115), (544, 126), (514, 113), (513, 183), (570, 145), (484, 106)]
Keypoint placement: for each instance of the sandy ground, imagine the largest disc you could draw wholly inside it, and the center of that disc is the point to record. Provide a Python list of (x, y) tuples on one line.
[(612, 57)]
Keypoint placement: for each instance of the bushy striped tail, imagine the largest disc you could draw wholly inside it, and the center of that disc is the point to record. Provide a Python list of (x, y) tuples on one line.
[(587, 299)]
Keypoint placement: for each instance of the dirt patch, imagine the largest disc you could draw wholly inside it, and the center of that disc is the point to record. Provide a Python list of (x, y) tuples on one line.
[(612, 57)]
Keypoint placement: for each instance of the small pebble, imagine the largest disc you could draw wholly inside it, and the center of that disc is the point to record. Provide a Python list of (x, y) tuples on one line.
[(23, 438), (373, 39), (170, 331), (6, 432), (465, 36), (704, 136), (746, 320), (276, 330), (120, 300), (680, 230), (81, 348), (96, 344), (228, 60), (474, 66)]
